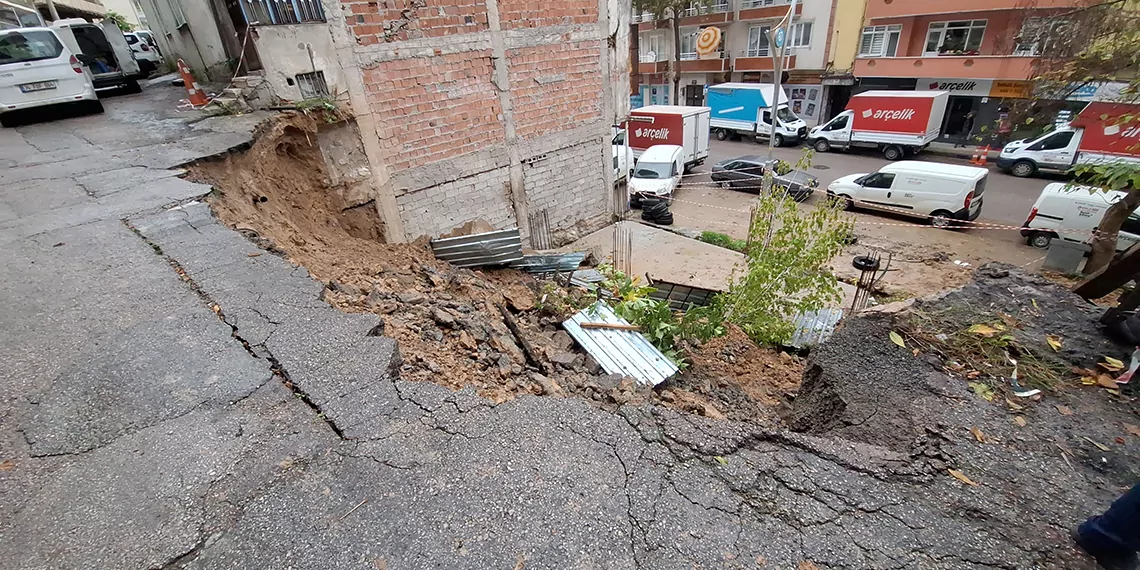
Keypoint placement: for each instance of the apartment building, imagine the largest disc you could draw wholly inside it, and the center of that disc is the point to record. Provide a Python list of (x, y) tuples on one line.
[(981, 51), (744, 55)]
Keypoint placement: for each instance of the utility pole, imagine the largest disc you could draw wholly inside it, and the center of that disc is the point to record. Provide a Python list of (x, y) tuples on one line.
[(777, 39)]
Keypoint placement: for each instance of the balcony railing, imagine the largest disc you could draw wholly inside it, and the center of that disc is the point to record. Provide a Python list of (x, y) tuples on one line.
[(650, 58), (710, 8), (749, 4), (643, 17)]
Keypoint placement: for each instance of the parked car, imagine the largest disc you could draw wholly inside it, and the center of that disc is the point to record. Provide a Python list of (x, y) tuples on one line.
[(1071, 212), (747, 173), (38, 70), (148, 37), (941, 193), (147, 56), (103, 49), (657, 174)]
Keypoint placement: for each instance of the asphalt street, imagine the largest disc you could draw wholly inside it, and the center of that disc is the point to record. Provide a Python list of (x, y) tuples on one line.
[(177, 397)]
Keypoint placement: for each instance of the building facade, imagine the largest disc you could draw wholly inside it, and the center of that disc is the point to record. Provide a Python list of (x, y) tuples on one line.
[(744, 55), (981, 51), (500, 110)]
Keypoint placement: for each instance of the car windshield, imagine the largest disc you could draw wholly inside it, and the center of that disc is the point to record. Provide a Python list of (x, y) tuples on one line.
[(653, 170), (131, 39), (785, 115), (18, 47)]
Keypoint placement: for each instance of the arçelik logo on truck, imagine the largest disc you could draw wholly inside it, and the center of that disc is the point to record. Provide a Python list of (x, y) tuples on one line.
[(889, 114), (659, 134)]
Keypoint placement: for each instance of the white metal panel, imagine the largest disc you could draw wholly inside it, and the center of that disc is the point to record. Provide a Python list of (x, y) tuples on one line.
[(937, 113), (619, 352), (703, 119)]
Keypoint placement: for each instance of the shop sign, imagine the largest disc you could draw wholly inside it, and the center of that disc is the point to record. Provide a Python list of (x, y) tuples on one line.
[(977, 87), (1011, 89), (838, 81)]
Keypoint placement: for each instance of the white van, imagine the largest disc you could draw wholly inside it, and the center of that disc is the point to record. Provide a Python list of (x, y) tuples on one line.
[(938, 192), (657, 174), (1071, 213), (623, 157), (103, 49), (37, 70)]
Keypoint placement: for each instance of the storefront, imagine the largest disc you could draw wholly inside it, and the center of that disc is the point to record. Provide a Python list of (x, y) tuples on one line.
[(978, 110)]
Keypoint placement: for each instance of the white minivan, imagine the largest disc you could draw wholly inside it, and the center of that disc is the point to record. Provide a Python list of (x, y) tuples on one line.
[(1071, 213), (103, 49), (37, 70), (940, 193), (657, 174)]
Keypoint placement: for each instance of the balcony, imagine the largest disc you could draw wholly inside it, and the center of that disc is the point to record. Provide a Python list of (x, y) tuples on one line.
[(766, 9), (711, 13), (907, 8), (951, 67), (713, 62), (647, 67), (758, 61)]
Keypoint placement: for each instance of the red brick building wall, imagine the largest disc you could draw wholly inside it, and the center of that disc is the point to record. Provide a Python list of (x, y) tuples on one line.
[(555, 87)]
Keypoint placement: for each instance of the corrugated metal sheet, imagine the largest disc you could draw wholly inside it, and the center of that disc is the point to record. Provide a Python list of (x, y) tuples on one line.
[(680, 297), (619, 352), (476, 250), (814, 327), (586, 278), (549, 263)]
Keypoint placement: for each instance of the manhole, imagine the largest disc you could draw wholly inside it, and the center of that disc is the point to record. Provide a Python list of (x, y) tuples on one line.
[(821, 167)]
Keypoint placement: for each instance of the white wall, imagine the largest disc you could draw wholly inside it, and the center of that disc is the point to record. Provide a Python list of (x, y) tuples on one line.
[(198, 43), (284, 54)]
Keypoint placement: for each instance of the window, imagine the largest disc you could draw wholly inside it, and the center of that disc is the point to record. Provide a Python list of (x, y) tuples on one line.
[(955, 38), (881, 180), (838, 124), (689, 45), (800, 36), (619, 139), (283, 11), (880, 41), (758, 41), (746, 4), (1055, 142), (176, 15), (312, 85), (1038, 35), (30, 45), (650, 49)]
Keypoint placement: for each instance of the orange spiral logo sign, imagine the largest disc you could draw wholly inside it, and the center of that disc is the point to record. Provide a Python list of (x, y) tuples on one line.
[(708, 41)]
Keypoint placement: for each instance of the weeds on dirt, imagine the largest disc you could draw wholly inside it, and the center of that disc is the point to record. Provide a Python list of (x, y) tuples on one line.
[(984, 353), (786, 257), (723, 240)]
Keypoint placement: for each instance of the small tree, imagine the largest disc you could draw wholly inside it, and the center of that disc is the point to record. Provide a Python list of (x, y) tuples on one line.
[(119, 20), (672, 10), (785, 269), (1092, 44)]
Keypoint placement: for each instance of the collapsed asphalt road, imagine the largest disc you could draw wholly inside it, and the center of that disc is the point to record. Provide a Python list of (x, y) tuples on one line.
[(181, 399)]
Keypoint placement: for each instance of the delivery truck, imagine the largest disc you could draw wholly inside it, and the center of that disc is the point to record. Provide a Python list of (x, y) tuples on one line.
[(745, 109), (897, 123), (1069, 212), (1101, 133), (686, 127)]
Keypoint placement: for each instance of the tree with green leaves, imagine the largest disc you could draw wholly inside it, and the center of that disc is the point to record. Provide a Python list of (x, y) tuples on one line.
[(1092, 44), (672, 10), (119, 20)]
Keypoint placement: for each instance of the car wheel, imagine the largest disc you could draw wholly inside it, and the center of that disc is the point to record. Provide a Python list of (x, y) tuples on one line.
[(848, 203), (724, 183), (1023, 169), (95, 107), (821, 145), (778, 139), (721, 134), (9, 120), (942, 219), (893, 152), (1040, 240)]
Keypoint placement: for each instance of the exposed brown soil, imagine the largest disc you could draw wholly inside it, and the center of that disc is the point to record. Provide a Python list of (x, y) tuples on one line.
[(447, 320)]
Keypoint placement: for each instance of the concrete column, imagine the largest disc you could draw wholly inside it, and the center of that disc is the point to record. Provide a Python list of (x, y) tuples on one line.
[(502, 81)]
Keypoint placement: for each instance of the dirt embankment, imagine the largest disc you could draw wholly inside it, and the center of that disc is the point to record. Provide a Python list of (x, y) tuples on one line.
[(448, 320)]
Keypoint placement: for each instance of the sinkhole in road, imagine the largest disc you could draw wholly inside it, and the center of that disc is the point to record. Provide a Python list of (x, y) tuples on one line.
[(451, 324)]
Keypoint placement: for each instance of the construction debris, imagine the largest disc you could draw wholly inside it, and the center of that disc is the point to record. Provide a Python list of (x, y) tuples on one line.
[(623, 352), (482, 249)]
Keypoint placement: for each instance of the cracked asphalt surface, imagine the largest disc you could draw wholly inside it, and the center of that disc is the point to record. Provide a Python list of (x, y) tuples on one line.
[(178, 398)]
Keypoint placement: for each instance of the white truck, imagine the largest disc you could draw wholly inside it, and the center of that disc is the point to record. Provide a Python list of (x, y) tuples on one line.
[(895, 122), (745, 109), (103, 49), (1098, 135), (1071, 213), (686, 127)]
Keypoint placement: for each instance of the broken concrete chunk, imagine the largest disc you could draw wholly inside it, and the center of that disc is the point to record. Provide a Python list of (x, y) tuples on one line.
[(561, 340), (466, 340), (442, 317), (504, 364), (410, 297), (566, 359), (519, 297), (550, 387)]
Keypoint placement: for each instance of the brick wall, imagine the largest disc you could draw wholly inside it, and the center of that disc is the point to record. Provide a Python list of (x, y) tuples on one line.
[(555, 87), (537, 14), (568, 184), (435, 107), (435, 210), (375, 22)]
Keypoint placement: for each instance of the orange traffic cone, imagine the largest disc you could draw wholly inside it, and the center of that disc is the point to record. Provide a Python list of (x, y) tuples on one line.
[(197, 97), (985, 155)]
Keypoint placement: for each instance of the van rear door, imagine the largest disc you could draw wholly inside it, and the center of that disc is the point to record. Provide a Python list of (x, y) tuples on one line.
[(34, 66), (123, 54)]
